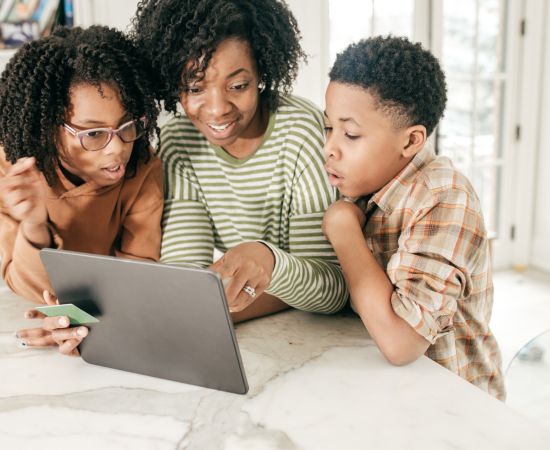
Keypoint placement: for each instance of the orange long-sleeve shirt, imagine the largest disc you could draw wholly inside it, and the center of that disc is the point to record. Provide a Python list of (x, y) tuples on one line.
[(119, 220)]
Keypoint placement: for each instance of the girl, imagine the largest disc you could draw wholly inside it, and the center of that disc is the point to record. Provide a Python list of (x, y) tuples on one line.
[(244, 167), (76, 170)]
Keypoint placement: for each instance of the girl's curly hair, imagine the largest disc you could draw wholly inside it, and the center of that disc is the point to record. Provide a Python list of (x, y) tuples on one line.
[(35, 90), (179, 37)]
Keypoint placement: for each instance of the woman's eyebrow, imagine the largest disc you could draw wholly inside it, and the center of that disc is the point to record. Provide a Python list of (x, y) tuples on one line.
[(238, 71)]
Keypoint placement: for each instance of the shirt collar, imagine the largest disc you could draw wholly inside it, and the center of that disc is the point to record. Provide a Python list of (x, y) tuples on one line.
[(391, 194)]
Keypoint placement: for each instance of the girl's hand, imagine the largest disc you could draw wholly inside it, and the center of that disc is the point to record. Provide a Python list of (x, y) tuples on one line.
[(22, 193), (54, 331), (248, 268), (340, 216)]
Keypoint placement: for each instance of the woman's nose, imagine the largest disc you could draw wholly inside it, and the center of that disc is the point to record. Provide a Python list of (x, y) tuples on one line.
[(217, 104)]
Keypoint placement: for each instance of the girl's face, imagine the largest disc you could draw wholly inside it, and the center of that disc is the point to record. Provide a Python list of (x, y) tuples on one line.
[(89, 108), (225, 105)]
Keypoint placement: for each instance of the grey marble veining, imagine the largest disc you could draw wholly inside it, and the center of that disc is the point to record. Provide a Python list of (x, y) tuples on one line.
[(316, 382)]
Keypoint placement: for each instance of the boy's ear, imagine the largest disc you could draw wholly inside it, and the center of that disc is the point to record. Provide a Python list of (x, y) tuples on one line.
[(415, 138)]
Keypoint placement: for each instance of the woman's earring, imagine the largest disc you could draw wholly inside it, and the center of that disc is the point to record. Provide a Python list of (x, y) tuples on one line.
[(261, 86)]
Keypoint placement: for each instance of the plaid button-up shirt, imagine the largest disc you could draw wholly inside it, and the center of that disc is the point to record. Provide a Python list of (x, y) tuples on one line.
[(426, 229)]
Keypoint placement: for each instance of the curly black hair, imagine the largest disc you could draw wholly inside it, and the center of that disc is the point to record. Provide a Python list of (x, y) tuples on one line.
[(35, 91), (180, 36), (406, 80)]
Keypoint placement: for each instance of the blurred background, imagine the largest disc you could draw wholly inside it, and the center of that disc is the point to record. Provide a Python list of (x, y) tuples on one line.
[(496, 55)]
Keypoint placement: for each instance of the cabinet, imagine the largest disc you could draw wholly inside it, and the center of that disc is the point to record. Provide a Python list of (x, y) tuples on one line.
[(90, 12)]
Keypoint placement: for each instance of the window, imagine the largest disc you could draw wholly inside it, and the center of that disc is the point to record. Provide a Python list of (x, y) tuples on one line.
[(352, 20), (470, 38), (472, 55)]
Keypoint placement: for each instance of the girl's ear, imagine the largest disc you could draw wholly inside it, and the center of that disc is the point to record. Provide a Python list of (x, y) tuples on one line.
[(415, 138)]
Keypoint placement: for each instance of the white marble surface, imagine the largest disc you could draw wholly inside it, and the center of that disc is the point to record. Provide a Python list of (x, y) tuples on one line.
[(315, 383)]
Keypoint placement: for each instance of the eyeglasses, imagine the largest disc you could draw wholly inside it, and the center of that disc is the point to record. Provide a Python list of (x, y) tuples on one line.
[(97, 138)]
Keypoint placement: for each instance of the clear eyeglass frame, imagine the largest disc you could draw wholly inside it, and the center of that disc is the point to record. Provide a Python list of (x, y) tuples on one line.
[(103, 139)]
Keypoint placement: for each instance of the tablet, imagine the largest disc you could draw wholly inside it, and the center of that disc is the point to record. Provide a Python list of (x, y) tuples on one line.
[(155, 319)]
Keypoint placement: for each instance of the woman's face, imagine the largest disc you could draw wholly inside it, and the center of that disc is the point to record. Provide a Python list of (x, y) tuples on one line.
[(89, 109), (225, 105)]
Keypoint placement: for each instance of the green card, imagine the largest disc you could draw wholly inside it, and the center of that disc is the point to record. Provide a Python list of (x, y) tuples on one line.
[(76, 315)]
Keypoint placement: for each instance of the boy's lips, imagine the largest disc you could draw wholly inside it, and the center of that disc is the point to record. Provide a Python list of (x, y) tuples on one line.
[(334, 178)]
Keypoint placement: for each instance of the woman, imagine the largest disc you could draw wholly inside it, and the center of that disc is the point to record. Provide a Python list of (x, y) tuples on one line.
[(244, 166)]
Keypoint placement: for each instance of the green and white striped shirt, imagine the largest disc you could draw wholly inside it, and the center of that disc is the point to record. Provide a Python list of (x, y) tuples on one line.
[(276, 196)]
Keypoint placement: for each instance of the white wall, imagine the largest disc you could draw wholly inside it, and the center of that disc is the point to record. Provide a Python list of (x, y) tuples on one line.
[(541, 232), (312, 17)]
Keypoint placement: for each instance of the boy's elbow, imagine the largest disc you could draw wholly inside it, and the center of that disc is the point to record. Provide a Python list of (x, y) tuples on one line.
[(399, 359), (401, 356)]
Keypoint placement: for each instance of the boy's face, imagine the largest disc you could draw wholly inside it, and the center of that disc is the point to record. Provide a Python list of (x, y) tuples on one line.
[(363, 149)]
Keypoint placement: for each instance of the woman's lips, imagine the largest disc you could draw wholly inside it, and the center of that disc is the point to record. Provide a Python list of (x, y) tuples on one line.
[(221, 131)]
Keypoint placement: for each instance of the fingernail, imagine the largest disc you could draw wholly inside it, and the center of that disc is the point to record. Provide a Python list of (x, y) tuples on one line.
[(63, 322), (16, 336), (22, 344), (82, 331), (29, 315)]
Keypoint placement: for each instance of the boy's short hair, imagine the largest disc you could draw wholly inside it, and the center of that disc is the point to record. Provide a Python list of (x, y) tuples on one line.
[(406, 80)]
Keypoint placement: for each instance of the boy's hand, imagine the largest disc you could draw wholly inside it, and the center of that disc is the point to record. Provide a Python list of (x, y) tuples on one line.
[(340, 217), (54, 331), (22, 193)]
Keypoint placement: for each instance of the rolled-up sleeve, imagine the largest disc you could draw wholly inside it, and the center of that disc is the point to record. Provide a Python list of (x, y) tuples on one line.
[(426, 293), (430, 269)]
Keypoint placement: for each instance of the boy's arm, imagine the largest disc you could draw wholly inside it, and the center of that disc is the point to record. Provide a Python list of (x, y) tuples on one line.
[(370, 288)]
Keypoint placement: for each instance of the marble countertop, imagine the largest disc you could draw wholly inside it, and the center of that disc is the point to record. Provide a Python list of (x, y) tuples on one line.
[(316, 382)]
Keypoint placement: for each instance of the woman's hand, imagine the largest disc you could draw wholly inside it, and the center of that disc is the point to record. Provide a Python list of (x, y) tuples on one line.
[(341, 215), (248, 268), (54, 331)]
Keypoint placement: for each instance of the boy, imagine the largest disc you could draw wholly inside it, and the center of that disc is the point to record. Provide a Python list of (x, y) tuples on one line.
[(413, 248)]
